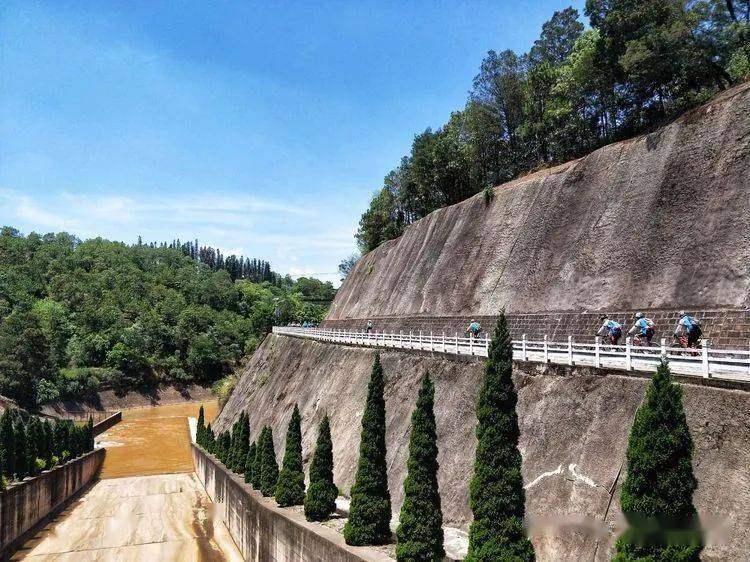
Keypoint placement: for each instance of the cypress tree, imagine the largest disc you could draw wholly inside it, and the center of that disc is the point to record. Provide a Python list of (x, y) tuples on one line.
[(21, 456), (230, 461), (320, 500), (269, 470), (657, 496), (226, 447), (210, 440), (48, 443), (34, 444), (258, 464), (61, 442), (89, 435), (243, 440), (370, 509), (219, 444), (8, 443), (290, 489), (250, 463), (497, 494), (201, 429), (420, 531)]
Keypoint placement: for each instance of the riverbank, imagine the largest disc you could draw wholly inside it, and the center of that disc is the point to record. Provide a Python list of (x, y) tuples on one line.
[(108, 400)]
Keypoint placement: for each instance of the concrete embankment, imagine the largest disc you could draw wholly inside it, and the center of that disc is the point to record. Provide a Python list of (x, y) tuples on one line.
[(107, 423), (574, 430), (263, 531), (26, 504)]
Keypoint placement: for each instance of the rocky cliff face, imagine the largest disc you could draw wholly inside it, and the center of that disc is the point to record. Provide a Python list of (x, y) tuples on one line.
[(574, 429), (659, 221)]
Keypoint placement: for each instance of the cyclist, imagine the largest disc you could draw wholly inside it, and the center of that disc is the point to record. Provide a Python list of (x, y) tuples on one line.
[(474, 328), (688, 330), (368, 327), (643, 328), (612, 329)]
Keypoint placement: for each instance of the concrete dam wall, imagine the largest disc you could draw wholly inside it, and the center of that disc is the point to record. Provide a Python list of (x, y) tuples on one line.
[(25, 504), (264, 532), (660, 222), (574, 429)]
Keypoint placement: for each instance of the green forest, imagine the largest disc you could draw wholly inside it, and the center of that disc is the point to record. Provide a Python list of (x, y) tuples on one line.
[(76, 315), (636, 66)]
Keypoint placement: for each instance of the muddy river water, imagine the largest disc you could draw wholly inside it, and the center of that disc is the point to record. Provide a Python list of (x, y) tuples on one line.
[(152, 440), (148, 504)]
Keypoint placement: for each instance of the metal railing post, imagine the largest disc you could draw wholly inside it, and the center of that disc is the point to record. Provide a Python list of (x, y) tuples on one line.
[(546, 349), (471, 343), (457, 343), (664, 347), (748, 360), (420, 340), (487, 344), (628, 360), (597, 352), (706, 369), (432, 342), (523, 347), (411, 341), (570, 350), (444, 341)]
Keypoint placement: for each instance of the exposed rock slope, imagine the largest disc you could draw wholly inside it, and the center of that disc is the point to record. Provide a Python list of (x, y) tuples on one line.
[(573, 435), (661, 220)]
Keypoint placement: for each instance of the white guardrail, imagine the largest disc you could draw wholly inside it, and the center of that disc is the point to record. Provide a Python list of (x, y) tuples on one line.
[(728, 364)]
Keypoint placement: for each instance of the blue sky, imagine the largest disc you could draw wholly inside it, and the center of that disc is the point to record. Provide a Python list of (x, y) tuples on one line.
[(260, 128)]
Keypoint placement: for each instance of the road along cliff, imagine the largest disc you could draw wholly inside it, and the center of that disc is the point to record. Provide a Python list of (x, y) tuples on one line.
[(574, 429), (661, 221)]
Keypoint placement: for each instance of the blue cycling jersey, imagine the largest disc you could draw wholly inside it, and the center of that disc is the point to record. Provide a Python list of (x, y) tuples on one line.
[(643, 325), (613, 326)]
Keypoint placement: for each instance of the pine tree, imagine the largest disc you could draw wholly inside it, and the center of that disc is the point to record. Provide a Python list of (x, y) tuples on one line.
[(250, 462), (320, 500), (370, 509), (290, 489), (258, 464), (497, 494), (269, 469), (420, 531), (8, 443), (201, 428), (657, 496)]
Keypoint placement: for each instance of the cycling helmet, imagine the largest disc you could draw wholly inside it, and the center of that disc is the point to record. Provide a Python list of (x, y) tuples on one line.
[(602, 318), (683, 313), (639, 314)]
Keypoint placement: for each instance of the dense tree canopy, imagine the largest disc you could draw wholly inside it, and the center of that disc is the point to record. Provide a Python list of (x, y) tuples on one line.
[(638, 65), (75, 314)]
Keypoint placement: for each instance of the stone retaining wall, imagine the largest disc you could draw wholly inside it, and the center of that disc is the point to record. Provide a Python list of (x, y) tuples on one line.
[(728, 328), (26, 504), (266, 533)]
